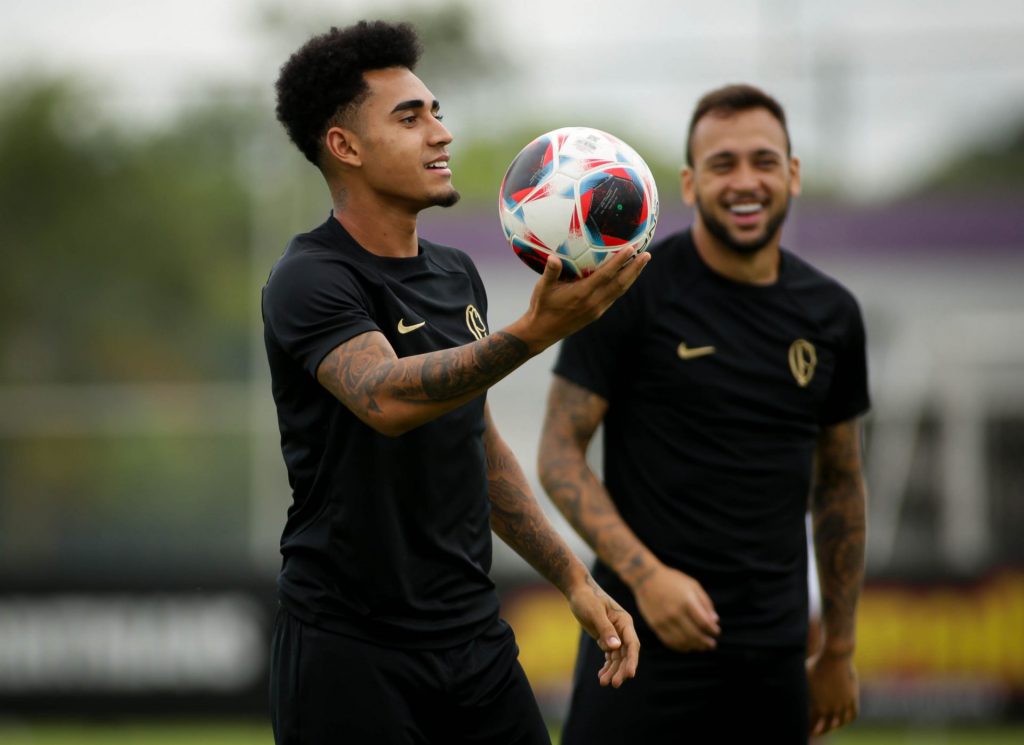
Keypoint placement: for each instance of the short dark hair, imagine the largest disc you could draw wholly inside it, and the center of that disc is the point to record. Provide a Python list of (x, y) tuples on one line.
[(323, 81), (731, 99)]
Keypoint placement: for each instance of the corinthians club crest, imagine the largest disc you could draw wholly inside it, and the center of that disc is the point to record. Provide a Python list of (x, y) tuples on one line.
[(475, 322), (803, 358)]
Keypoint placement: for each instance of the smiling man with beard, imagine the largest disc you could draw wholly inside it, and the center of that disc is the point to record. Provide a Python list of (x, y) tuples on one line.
[(730, 384)]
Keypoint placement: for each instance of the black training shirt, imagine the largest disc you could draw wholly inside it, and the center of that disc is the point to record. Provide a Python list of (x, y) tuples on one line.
[(717, 391), (387, 538)]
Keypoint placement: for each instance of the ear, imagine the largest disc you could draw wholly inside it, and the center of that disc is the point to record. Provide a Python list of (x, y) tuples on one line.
[(343, 146), (794, 177), (686, 185)]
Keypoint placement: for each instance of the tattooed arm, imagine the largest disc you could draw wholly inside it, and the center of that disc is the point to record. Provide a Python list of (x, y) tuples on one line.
[(393, 394), (838, 509), (674, 604), (517, 518)]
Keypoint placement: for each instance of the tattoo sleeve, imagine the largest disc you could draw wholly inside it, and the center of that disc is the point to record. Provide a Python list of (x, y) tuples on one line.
[(840, 530), (517, 518), (365, 374), (573, 415)]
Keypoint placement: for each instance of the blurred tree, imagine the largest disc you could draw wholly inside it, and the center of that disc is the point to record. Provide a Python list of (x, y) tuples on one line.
[(992, 168), (126, 250)]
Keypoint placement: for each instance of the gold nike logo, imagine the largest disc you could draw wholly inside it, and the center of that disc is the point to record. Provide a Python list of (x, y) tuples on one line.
[(686, 353), (403, 329)]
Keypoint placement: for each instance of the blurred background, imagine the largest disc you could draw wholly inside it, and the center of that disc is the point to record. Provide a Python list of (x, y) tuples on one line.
[(146, 190)]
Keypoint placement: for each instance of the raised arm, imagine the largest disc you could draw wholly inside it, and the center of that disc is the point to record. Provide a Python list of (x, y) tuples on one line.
[(518, 519), (838, 509), (394, 395), (673, 603)]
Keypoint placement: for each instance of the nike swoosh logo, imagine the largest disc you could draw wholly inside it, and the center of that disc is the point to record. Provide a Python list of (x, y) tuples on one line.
[(687, 353), (403, 329)]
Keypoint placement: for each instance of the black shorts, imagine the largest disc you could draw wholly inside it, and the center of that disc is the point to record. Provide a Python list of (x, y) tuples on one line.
[(726, 695), (328, 688)]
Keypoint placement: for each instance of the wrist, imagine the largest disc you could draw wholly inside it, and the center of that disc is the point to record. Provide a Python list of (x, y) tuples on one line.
[(521, 329), (574, 579), (838, 649), (636, 570)]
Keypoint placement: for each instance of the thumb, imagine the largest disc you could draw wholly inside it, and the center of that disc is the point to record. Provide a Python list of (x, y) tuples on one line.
[(552, 270), (606, 635)]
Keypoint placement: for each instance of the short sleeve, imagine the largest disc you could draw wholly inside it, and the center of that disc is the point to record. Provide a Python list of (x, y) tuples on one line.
[(590, 357), (848, 395), (310, 308)]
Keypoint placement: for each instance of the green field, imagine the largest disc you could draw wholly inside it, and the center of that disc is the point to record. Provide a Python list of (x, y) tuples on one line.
[(259, 734)]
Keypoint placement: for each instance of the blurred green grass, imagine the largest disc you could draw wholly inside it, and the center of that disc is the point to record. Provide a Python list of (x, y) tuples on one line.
[(258, 733), (142, 733)]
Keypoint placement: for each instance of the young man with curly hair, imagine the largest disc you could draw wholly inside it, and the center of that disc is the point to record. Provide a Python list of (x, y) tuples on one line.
[(388, 629)]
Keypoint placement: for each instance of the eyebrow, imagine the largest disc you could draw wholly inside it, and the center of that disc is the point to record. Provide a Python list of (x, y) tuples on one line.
[(759, 153), (415, 103)]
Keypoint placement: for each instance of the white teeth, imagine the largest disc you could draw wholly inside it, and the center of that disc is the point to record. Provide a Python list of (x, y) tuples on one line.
[(745, 209), (438, 164)]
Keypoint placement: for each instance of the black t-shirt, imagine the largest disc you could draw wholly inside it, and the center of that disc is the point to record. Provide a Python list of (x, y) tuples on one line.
[(388, 538), (717, 391)]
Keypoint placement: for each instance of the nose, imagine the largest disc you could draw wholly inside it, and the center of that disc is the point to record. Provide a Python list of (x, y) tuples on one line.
[(440, 135), (745, 177)]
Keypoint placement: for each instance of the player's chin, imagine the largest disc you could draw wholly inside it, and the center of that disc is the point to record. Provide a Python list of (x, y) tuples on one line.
[(447, 198)]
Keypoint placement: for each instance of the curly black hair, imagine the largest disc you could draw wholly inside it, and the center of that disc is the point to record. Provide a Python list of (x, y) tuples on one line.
[(322, 81)]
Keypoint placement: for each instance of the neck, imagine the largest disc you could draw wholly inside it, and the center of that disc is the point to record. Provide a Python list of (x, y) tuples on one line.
[(380, 228), (759, 268)]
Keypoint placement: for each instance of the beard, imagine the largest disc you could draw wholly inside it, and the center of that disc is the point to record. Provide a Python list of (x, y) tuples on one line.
[(449, 199), (720, 231)]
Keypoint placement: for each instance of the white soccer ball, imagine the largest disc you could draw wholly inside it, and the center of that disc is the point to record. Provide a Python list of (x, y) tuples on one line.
[(581, 194)]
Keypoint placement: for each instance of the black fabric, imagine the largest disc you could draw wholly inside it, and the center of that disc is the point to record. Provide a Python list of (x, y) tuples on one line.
[(333, 688), (387, 539), (709, 436), (737, 695)]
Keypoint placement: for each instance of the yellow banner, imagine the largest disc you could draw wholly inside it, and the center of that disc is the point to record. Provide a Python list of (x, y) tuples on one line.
[(943, 631)]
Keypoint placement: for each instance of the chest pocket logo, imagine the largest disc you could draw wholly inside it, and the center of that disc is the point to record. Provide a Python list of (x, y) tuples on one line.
[(803, 358), (475, 322)]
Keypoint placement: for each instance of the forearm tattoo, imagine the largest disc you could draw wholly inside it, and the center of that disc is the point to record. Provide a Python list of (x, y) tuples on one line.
[(838, 504), (364, 370), (519, 521), (577, 492)]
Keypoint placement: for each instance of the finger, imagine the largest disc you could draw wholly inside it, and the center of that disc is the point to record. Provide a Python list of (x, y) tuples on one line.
[(606, 635), (701, 634), (818, 727), (631, 272), (618, 668), (612, 270), (684, 636), (552, 271), (628, 656), (708, 615), (611, 265), (705, 623)]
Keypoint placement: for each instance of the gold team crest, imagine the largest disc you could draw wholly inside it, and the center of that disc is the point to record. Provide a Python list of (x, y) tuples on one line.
[(475, 322), (803, 358)]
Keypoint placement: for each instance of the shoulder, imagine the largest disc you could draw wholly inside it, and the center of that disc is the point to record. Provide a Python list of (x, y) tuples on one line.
[(304, 259), (447, 258), (823, 299), (310, 265), (806, 279), (674, 264)]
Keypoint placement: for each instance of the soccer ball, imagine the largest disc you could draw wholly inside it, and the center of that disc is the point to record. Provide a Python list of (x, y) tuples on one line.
[(581, 194)]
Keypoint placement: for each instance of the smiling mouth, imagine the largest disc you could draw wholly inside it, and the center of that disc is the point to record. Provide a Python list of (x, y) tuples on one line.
[(438, 165), (745, 209)]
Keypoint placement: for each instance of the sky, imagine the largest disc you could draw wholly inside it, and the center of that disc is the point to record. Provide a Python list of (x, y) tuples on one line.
[(879, 92)]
